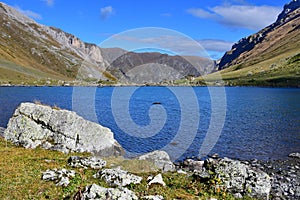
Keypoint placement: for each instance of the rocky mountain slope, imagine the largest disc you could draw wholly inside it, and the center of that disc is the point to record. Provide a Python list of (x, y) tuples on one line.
[(35, 54), (269, 57)]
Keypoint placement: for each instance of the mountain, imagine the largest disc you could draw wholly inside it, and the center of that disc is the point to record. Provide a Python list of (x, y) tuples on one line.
[(31, 53), (269, 57)]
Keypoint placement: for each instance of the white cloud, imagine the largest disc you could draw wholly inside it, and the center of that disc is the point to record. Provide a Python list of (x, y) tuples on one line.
[(180, 45), (29, 13), (106, 12), (239, 16), (198, 12), (216, 45), (49, 2)]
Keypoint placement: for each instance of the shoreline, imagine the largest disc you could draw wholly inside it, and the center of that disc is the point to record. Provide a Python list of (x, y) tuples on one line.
[(150, 85)]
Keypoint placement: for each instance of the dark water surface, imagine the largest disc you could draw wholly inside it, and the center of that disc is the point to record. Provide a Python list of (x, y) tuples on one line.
[(261, 123)]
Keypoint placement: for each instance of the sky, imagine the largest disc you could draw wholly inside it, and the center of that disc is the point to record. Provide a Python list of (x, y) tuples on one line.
[(216, 25)]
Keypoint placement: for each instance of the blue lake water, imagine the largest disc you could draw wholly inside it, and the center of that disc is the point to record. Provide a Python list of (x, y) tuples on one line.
[(261, 123)]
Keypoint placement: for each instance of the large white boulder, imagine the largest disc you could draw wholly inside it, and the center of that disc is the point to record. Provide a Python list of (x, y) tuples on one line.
[(34, 125)]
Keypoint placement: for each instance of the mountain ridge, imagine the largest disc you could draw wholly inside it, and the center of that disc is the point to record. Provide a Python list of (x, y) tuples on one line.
[(50, 53), (269, 57)]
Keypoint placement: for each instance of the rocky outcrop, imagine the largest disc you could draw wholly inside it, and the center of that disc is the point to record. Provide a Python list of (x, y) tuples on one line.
[(160, 159), (236, 177), (35, 125), (285, 177), (95, 191), (60, 176), (118, 177), (86, 162)]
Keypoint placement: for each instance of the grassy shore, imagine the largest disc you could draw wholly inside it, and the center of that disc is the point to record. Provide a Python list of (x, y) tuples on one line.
[(21, 170)]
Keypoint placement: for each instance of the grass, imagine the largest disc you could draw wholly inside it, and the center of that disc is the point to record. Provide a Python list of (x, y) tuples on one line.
[(21, 170), (280, 71)]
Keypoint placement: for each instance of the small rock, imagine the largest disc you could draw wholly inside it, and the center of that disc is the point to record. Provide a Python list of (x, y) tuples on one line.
[(238, 195), (47, 145), (215, 155), (95, 191), (49, 175), (157, 180), (60, 176), (152, 197), (118, 177), (160, 159), (193, 165), (295, 155), (64, 181), (86, 162), (2, 131), (181, 172)]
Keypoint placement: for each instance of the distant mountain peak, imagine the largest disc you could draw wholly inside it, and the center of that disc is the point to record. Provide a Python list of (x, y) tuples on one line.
[(288, 8), (15, 13)]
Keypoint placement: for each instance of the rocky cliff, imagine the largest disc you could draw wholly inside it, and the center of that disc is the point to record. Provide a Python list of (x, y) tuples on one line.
[(254, 47)]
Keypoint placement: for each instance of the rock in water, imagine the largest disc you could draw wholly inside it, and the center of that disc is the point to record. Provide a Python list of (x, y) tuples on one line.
[(35, 125), (294, 155)]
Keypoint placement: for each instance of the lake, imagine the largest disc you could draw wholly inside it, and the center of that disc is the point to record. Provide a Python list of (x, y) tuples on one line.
[(236, 122)]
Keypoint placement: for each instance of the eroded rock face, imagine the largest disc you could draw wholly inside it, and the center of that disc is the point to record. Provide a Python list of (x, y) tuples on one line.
[(160, 159), (95, 191), (35, 125)]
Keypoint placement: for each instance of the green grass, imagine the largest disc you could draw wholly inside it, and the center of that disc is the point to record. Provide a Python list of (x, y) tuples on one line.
[(21, 170), (279, 71)]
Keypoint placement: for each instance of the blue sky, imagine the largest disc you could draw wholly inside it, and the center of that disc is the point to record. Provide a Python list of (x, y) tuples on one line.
[(216, 25)]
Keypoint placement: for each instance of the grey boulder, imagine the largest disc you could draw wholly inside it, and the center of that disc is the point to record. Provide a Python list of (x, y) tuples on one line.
[(237, 177), (60, 176), (86, 162), (118, 177), (160, 159), (34, 125)]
